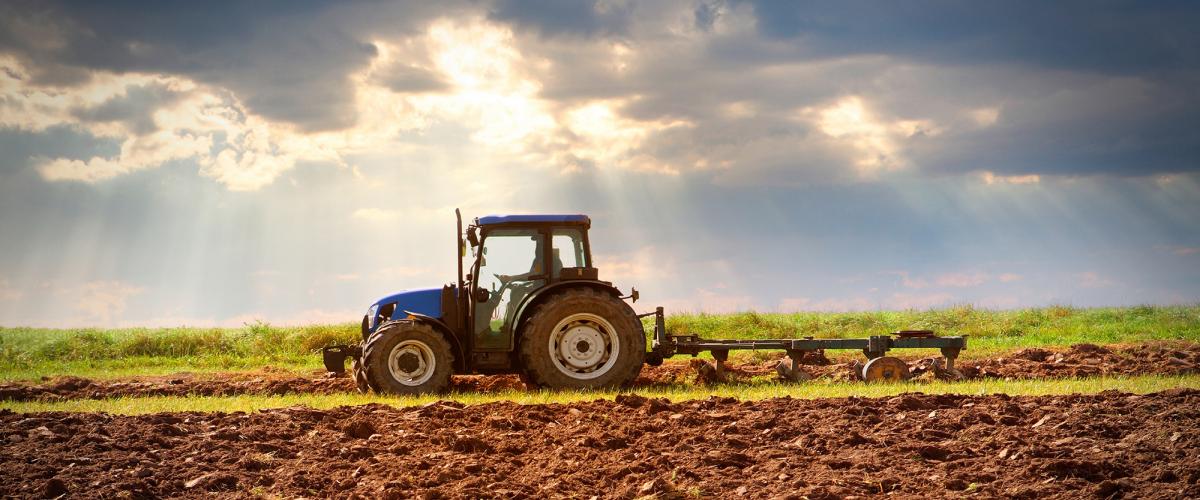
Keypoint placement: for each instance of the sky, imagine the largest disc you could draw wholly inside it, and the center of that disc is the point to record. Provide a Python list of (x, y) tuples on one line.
[(176, 163)]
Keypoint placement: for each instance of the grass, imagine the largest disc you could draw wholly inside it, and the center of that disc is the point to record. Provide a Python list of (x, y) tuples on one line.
[(247, 403), (30, 353)]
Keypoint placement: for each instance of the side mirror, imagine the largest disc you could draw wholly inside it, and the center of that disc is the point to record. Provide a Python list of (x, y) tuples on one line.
[(481, 295), (472, 237)]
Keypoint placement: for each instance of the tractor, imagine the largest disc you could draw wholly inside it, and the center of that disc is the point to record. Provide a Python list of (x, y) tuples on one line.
[(532, 303)]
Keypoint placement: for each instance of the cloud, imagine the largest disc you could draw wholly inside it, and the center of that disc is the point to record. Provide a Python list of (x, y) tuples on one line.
[(565, 17), (101, 302), (991, 178), (248, 92), (318, 316), (1009, 277), (287, 62), (999, 302), (239, 150), (1118, 38), (1180, 250), (1092, 279), (715, 299), (401, 272), (962, 280), (801, 304), (919, 301), (647, 265), (8, 293), (908, 282), (913, 105), (377, 215), (875, 142)]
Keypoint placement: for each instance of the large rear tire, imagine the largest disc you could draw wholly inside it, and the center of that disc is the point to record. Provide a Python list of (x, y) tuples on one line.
[(405, 357), (582, 339)]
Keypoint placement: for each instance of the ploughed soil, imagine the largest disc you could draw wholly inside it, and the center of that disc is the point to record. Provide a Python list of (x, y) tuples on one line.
[(1107, 445), (1163, 358)]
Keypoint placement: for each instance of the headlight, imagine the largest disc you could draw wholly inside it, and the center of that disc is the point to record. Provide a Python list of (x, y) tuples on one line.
[(371, 315)]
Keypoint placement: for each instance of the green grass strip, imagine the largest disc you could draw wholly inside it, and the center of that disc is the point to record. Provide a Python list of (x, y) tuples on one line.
[(31, 353), (247, 403)]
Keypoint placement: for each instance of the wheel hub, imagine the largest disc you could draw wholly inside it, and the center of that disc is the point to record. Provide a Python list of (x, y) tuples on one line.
[(408, 362), (411, 362), (584, 346), (577, 350)]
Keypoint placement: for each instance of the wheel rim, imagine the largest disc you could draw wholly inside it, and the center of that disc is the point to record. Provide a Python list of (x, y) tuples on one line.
[(584, 346), (411, 362)]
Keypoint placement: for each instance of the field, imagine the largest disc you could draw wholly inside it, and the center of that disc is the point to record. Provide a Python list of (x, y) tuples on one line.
[(1051, 402)]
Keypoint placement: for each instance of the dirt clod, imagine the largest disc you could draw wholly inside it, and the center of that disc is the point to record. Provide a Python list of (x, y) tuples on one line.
[(54, 488), (359, 428)]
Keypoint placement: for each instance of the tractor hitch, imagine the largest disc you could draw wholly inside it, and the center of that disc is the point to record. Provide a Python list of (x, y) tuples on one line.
[(335, 356)]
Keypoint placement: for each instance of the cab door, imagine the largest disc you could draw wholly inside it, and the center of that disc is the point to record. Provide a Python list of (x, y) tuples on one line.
[(511, 266)]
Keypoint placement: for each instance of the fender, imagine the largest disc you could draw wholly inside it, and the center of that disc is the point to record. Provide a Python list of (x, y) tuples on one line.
[(460, 356), (535, 297)]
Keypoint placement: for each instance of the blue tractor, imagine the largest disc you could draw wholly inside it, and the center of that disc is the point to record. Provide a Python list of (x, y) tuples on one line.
[(531, 303)]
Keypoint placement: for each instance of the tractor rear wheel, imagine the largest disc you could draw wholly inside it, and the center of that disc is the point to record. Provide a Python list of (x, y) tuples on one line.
[(582, 339), (405, 357)]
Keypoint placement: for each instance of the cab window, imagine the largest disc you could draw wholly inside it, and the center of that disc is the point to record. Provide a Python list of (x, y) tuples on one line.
[(568, 250)]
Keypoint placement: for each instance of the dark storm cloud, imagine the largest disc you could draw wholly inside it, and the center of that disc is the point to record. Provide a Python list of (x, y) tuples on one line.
[(1078, 88), (135, 109), (411, 79), (1108, 36), (564, 17), (287, 60)]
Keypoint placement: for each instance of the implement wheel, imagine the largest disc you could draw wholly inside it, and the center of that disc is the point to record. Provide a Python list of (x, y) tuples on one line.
[(404, 357), (885, 369), (582, 339)]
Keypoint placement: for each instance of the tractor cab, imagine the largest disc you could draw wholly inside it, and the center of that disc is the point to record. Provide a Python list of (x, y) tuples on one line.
[(515, 258)]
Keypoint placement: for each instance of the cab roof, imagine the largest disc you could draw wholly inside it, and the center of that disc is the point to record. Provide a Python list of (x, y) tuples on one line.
[(489, 220)]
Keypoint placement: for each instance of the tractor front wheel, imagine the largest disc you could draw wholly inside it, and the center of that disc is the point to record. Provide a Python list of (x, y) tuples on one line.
[(582, 339), (405, 357)]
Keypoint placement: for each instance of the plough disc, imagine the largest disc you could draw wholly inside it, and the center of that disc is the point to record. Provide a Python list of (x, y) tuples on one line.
[(885, 368)]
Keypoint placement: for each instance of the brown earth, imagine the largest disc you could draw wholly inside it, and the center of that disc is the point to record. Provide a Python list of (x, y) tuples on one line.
[(1165, 358), (1107, 445)]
